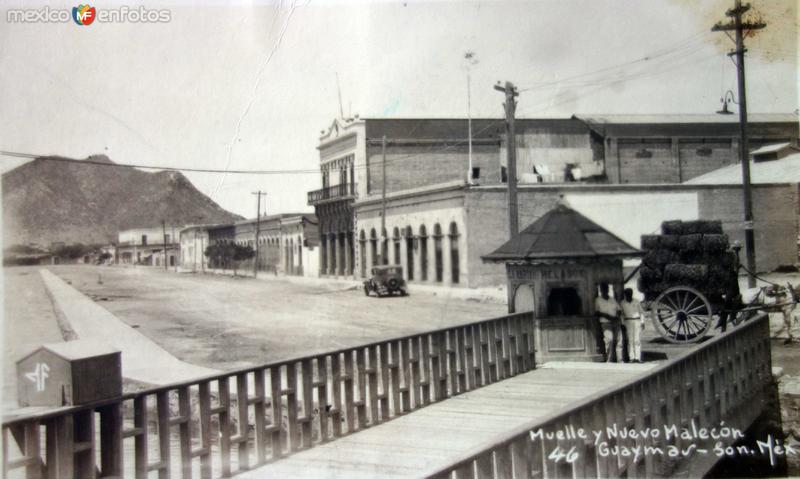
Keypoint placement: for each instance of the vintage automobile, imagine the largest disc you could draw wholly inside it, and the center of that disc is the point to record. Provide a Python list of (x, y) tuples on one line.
[(386, 280)]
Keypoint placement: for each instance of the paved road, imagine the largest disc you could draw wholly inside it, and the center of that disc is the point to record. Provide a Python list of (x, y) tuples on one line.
[(224, 323)]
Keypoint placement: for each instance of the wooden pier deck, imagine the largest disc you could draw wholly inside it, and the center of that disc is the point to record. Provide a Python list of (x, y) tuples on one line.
[(454, 403), (436, 435)]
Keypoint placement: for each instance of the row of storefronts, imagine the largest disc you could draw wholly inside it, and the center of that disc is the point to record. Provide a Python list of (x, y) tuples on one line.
[(286, 244)]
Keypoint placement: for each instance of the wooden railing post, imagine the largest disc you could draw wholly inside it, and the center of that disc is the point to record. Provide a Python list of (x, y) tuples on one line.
[(279, 434), (84, 444), (372, 384), (349, 392), (361, 405), (258, 413), (291, 406), (111, 440), (322, 397), (405, 363), (336, 394), (242, 429), (224, 415), (435, 376), (204, 400), (165, 458), (307, 377), (425, 369), (394, 372), (383, 360)]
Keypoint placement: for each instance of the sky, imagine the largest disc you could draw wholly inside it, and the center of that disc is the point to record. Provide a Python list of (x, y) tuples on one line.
[(250, 85)]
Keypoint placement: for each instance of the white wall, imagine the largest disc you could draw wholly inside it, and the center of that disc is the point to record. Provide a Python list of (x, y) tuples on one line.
[(630, 215)]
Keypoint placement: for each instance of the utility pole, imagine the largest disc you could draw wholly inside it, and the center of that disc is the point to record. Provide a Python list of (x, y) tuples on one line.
[(258, 229), (470, 58), (164, 233), (510, 106), (739, 26), (383, 196), (175, 240)]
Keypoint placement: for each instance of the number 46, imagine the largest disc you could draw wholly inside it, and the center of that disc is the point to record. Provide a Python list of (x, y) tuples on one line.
[(558, 454)]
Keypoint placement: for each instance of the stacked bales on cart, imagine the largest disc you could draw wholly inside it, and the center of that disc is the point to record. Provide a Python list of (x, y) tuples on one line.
[(680, 228), (687, 253)]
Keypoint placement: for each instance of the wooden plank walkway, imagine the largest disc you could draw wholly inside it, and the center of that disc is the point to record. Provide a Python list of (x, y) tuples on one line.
[(433, 436)]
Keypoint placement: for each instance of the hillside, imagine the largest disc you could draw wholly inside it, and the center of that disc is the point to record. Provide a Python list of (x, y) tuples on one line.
[(46, 201)]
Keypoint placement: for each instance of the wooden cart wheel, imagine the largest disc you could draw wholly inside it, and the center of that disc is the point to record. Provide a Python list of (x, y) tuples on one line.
[(682, 314)]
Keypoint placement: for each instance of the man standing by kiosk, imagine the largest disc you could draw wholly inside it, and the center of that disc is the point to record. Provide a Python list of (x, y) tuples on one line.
[(607, 311), (633, 319)]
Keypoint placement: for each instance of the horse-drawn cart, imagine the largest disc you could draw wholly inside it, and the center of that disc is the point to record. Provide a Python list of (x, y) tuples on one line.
[(689, 277)]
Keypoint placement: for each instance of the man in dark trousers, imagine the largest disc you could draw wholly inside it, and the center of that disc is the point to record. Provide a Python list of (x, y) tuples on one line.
[(732, 302), (607, 310)]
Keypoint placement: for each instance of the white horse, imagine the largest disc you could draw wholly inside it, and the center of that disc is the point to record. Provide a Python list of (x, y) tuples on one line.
[(775, 299)]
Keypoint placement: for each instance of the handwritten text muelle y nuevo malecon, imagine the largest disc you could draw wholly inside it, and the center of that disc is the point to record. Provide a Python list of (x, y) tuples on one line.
[(614, 441)]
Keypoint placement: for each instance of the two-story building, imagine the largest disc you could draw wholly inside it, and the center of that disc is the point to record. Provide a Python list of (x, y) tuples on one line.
[(617, 169)]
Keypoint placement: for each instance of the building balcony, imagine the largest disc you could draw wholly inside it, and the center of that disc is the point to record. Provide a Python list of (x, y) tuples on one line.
[(336, 192)]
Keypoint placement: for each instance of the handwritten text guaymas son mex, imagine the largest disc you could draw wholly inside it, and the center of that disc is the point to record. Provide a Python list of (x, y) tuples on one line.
[(689, 436)]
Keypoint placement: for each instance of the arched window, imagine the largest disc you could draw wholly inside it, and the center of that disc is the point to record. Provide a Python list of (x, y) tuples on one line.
[(299, 252), (290, 256), (437, 250), (454, 259), (384, 247), (362, 257), (373, 246), (333, 243), (323, 254), (396, 238), (423, 253), (410, 252)]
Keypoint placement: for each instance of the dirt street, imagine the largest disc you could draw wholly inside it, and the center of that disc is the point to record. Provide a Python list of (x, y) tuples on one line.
[(224, 322)]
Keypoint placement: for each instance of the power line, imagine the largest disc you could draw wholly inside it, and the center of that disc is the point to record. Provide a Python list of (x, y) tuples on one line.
[(150, 167), (241, 172), (663, 52), (618, 76), (602, 84)]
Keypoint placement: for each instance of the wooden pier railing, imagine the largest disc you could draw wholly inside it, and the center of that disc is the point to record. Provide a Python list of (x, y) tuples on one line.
[(220, 425), (720, 383)]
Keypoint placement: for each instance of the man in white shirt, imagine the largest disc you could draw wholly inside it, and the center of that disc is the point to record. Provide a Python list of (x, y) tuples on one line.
[(607, 311), (633, 320)]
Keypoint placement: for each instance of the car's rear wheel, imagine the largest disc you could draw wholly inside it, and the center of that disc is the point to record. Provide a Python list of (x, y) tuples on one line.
[(392, 283)]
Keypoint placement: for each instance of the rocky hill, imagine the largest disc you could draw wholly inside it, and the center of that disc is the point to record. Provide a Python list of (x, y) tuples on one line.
[(46, 201)]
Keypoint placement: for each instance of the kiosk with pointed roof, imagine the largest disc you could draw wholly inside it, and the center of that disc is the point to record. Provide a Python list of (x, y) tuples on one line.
[(554, 267)]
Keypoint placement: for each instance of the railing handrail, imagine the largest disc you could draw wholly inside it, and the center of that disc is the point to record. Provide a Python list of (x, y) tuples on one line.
[(332, 192), (54, 412), (510, 436)]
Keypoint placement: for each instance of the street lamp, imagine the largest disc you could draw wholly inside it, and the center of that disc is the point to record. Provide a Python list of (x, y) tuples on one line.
[(725, 100)]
